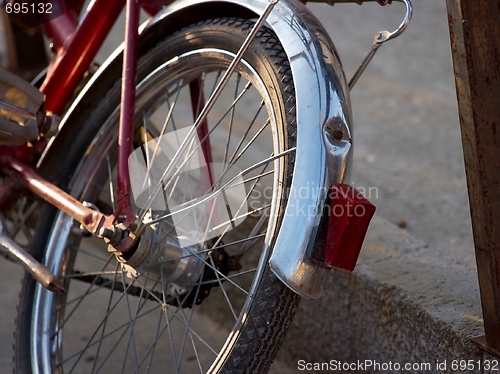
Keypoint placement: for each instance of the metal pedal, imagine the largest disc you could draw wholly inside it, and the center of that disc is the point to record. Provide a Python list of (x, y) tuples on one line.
[(22, 113)]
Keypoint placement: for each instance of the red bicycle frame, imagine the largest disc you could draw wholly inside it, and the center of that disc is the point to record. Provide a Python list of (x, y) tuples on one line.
[(76, 45)]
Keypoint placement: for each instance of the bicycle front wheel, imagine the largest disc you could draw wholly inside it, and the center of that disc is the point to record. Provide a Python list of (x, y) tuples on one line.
[(197, 295)]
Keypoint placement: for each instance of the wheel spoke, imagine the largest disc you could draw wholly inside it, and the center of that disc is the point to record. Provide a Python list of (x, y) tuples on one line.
[(235, 160), (125, 327), (209, 250), (249, 193), (131, 340), (111, 186), (79, 300), (231, 119), (188, 323), (101, 325), (206, 198), (164, 127), (250, 126), (219, 281), (151, 350), (253, 234), (105, 321)]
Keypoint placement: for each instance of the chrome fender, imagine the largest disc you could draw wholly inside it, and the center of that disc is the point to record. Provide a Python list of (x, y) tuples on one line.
[(323, 106)]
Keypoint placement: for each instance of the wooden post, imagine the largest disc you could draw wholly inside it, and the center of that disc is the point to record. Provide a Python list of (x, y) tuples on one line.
[(475, 41)]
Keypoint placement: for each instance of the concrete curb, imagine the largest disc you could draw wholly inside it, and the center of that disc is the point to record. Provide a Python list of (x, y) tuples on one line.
[(405, 303)]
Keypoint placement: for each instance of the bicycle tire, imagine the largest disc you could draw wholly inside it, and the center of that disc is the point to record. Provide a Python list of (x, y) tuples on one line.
[(262, 316)]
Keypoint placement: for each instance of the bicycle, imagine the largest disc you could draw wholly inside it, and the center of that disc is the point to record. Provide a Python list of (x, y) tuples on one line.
[(216, 230)]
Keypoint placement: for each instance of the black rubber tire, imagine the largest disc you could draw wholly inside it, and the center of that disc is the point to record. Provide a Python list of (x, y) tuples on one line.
[(274, 305)]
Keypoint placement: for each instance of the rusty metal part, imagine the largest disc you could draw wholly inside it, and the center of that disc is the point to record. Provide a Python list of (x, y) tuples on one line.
[(474, 31), (380, 38), (119, 237), (39, 271), (483, 343), (91, 219)]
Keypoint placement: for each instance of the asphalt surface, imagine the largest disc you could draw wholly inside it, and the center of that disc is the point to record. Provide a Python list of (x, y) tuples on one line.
[(407, 141), (407, 134)]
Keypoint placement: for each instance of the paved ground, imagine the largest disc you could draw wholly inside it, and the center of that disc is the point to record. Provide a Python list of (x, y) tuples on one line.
[(407, 134)]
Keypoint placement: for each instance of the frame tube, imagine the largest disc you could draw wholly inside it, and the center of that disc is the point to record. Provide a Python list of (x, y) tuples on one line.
[(72, 63), (127, 110), (91, 219)]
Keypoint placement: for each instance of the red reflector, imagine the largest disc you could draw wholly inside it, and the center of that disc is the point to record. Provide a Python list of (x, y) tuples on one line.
[(349, 216)]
